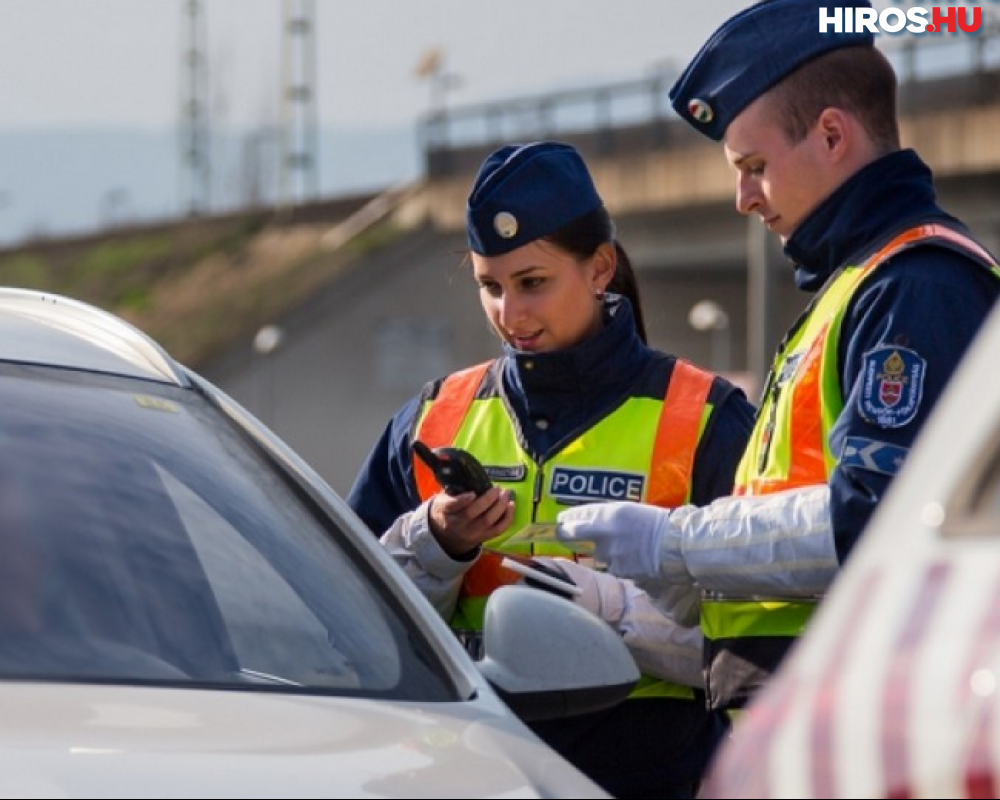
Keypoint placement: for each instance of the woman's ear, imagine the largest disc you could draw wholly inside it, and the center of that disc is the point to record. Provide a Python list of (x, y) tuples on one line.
[(604, 262)]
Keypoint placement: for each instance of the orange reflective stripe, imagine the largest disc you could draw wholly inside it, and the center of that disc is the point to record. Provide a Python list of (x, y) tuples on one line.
[(760, 486), (930, 231), (807, 435), (487, 575), (443, 419), (677, 435), (808, 465)]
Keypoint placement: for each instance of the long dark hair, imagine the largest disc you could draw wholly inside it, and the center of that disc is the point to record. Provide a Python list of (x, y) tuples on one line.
[(583, 236)]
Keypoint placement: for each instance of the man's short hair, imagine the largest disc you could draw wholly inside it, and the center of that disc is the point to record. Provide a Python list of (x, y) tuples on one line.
[(752, 52), (859, 80)]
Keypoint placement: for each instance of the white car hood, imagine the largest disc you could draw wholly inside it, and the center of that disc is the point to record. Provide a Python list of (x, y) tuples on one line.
[(99, 741)]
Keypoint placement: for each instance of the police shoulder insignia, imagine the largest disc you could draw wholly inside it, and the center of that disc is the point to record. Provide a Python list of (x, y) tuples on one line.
[(893, 385), (868, 454)]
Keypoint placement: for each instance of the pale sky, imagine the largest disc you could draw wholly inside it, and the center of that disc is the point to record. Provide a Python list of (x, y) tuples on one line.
[(91, 90), (119, 62)]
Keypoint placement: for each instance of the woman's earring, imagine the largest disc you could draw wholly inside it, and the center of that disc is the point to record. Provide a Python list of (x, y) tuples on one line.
[(599, 294)]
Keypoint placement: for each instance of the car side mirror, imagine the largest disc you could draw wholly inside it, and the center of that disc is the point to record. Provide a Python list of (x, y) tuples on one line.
[(548, 657)]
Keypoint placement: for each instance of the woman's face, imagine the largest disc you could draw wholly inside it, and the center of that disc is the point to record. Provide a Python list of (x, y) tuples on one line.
[(540, 298)]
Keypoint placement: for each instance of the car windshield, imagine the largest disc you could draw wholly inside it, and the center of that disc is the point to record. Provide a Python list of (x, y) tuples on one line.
[(144, 538)]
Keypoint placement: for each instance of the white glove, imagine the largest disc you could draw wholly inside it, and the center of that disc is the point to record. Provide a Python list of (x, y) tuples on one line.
[(640, 542), (600, 593), (662, 644), (633, 540)]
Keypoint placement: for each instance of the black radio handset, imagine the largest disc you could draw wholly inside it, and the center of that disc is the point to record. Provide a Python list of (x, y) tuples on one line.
[(456, 470)]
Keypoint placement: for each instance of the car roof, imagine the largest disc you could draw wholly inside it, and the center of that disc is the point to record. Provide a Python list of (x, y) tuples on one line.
[(45, 328)]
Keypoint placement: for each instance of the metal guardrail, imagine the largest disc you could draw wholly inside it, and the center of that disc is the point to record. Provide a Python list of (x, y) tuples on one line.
[(918, 58), (454, 139)]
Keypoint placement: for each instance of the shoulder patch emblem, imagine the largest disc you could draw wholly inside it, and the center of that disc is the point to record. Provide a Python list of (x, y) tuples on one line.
[(893, 386)]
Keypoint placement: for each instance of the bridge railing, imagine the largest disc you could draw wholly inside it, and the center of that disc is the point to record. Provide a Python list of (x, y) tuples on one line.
[(934, 70)]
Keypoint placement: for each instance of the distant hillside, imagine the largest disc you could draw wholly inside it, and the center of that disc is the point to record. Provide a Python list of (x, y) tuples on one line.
[(198, 285)]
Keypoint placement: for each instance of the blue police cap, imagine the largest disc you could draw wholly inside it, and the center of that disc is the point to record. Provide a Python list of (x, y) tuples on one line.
[(524, 192), (750, 53)]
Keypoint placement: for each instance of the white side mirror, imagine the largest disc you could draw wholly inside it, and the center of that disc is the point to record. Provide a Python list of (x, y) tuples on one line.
[(548, 657)]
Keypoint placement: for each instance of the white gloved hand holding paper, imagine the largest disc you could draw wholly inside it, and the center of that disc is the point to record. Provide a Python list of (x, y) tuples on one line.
[(637, 541), (633, 540)]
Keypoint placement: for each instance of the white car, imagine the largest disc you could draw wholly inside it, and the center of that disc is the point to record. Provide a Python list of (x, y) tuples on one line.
[(187, 610), (893, 690)]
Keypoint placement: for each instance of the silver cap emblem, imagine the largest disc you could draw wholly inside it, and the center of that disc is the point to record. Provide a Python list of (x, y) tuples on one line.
[(505, 225)]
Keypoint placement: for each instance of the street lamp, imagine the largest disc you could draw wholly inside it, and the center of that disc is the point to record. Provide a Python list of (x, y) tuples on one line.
[(707, 316), (268, 339), (431, 67)]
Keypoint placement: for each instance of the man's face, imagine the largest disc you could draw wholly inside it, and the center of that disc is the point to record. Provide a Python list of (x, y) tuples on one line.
[(778, 180)]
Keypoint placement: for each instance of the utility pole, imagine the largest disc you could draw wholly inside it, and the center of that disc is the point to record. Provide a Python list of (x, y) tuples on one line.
[(300, 153), (431, 68), (763, 336), (194, 105)]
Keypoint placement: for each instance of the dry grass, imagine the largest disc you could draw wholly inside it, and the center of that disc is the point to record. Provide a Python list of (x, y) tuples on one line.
[(196, 287)]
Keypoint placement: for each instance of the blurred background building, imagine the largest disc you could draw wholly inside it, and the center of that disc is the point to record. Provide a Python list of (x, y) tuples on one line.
[(322, 314)]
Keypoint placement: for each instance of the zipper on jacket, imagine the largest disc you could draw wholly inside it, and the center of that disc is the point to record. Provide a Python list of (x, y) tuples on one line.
[(536, 496), (536, 492), (768, 435)]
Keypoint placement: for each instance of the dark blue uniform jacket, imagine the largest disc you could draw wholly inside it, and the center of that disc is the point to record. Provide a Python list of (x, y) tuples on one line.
[(929, 300)]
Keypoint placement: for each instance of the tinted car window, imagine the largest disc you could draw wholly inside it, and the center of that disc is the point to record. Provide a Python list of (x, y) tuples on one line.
[(144, 538)]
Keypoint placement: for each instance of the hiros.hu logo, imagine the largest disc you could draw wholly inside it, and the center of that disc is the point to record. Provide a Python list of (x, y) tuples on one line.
[(951, 18)]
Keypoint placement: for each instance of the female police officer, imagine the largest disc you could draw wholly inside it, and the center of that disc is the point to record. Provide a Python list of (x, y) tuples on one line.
[(576, 409)]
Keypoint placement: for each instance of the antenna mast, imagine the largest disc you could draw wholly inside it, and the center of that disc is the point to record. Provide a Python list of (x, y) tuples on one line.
[(300, 156), (194, 104)]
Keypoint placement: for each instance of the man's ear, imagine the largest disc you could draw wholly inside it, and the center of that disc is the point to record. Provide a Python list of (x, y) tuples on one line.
[(835, 126)]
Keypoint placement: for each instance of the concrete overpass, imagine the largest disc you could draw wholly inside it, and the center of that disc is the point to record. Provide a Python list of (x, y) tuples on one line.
[(406, 313), (673, 194)]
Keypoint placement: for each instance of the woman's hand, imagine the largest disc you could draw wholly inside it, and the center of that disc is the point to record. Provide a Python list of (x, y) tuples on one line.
[(463, 522)]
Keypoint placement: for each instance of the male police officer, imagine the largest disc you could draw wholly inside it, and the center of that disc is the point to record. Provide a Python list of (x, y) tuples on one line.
[(808, 123)]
